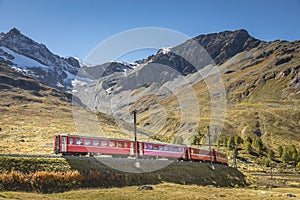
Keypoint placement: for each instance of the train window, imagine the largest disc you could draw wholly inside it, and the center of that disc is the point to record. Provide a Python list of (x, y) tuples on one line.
[(71, 141), (166, 148), (103, 143), (87, 142), (125, 145), (120, 144), (161, 148), (171, 148), (155, 147), (145, 146), (176, 149), (95, 143), (79, 141), (150, 146), (112, 144), (195, 151)]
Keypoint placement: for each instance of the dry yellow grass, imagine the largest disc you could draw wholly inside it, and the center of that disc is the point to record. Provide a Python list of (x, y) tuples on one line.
[(163, 191)]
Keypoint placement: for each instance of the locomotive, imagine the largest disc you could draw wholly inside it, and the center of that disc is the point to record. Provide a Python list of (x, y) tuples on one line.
[(75, 145)]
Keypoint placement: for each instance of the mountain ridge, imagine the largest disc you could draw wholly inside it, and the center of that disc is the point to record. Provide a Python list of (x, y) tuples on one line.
[(261, 81)]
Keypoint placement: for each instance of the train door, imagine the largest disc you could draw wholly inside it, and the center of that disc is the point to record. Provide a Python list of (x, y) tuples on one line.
[(187, 153), (131, 148), (214, 155), (63, 144), (141, 148)]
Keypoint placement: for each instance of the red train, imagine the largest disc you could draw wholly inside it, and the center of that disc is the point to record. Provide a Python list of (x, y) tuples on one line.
[(84, 145)]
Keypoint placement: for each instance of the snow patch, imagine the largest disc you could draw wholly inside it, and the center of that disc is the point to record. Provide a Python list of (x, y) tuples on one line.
[(23, 61), (165, 50)]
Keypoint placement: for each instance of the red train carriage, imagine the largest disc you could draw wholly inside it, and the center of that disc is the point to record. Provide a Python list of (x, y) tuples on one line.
[(198, 154), (221, 158), (201, 154), (83, 145), (161, 150)]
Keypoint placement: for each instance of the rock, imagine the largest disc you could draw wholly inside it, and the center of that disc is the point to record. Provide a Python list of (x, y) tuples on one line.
[(290, 195), (210, 186), (145, 187)]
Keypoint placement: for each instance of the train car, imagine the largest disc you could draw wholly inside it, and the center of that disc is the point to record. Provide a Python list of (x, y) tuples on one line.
[(200, 154), (87, 145), (163, 150), (83, 145), (203, 155), (221, 158)]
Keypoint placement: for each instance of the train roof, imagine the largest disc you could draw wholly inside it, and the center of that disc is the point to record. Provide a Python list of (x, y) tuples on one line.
[(91, 137), (165, 143), (85, 136)]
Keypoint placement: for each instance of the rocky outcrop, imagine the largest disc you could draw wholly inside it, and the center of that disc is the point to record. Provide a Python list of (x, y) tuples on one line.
[(219, 46), (36, 60)]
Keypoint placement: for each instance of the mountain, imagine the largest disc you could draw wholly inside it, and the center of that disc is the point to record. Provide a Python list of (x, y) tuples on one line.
[(174, 98), (36, 60), (219, 46), (248, 86), (32, 113)]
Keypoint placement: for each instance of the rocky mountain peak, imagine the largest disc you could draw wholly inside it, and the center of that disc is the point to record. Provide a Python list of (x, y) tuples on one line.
[(36, 60), (219, 46), (14, 31), (224, 45)]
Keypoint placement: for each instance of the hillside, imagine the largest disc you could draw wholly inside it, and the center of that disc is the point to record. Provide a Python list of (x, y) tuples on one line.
[(32, 113), (261, 94), (261, 90)]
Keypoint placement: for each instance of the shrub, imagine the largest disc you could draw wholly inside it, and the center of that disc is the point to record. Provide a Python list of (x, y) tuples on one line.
[(248, 147), (238, 140), (258, 144), (298, 165), (44, 182), (271, 154), (48, 182), (280, 151), (14, 181), (230, 143)]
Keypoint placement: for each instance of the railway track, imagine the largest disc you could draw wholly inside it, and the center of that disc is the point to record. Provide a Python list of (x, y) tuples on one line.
[(30, 156), (99, 158)]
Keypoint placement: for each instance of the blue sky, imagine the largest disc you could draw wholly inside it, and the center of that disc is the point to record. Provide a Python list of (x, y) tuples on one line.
[(75, 27)]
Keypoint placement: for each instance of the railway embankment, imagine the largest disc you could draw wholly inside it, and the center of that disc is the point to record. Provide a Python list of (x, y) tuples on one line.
[(49, 175)]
